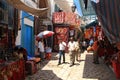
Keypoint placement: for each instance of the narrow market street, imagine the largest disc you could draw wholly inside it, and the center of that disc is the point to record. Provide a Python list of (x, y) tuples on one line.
[(82, 70), (35, 34)]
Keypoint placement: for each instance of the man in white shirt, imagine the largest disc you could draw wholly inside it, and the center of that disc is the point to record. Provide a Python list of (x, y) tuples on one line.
[(62, 46), (41, 49), (71, 48)]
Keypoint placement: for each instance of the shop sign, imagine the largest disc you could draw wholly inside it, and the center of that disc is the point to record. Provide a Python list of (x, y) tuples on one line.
[(66, 18), (58, 17)]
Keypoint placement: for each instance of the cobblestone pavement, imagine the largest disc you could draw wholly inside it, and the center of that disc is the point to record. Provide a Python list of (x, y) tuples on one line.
[(82, 70)]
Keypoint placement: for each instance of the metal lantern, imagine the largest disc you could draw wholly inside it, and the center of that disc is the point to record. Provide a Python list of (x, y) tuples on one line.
[(73, 7)]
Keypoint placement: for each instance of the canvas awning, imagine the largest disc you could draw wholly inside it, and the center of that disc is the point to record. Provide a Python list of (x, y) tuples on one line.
[(108, 12), (22, 6)]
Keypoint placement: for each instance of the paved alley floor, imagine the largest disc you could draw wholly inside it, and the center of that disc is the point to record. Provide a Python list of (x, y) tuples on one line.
[(82, 70)]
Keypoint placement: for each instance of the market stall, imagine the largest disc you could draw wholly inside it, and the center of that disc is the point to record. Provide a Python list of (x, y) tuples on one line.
[(12, 70), (108, 15), (65, 24)]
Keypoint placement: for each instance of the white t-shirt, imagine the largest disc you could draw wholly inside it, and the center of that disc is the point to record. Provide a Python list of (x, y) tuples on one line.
[(84, 44), (71, 45), (41, 47), (62, 46)]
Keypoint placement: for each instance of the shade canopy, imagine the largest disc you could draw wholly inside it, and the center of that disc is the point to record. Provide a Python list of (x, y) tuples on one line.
[(22, 6), (108, 12)]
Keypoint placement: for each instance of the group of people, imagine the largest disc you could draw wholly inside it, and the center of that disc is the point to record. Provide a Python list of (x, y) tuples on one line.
[(73, 48), (42, 50)]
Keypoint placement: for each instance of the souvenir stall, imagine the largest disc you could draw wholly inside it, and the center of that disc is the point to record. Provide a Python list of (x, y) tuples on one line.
[(11, 67), (110, 21), (88, 33), (93, 29), (64, 26)]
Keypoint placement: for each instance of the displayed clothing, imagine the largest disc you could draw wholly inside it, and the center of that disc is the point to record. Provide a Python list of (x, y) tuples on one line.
[(61, 32), (95, 46), (91, 42)]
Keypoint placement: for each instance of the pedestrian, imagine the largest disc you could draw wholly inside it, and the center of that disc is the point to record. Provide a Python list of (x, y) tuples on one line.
[(62, 46), (48, 52), (41, 49), (84, 46), (71, 48), (77, 50), (37, 54), (91, 41), (95, 48)]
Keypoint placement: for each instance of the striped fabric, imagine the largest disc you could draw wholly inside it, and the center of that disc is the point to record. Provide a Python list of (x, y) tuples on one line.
[(108, 12)]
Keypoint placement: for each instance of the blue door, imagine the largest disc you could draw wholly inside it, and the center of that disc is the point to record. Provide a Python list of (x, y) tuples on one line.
[(28, 39), (27, 35)]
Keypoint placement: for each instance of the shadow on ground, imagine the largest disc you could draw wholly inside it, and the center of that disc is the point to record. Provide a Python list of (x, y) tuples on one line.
[(96, 71), (44, 74), (54, 57)]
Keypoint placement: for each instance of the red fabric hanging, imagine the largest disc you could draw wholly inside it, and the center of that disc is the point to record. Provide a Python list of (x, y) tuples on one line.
[(88, 33), (70, 18), (101, 52), (60, 33), (58, 17), (116, 67)]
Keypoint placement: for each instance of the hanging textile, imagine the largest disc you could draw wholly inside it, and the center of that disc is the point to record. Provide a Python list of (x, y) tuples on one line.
[(58, 17), (70, 18), (108, 13), (88, 33), (60, 33)]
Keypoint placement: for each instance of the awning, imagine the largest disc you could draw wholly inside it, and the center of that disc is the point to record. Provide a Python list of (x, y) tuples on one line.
[(108, 12), (22, 6)]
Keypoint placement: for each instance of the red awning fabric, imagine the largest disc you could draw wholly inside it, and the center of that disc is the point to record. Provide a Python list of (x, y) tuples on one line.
[(22, 6)]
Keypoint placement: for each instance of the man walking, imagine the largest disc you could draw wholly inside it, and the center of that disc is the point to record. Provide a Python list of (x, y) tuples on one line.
[(77, 50), (71, 48), (62, 46)]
